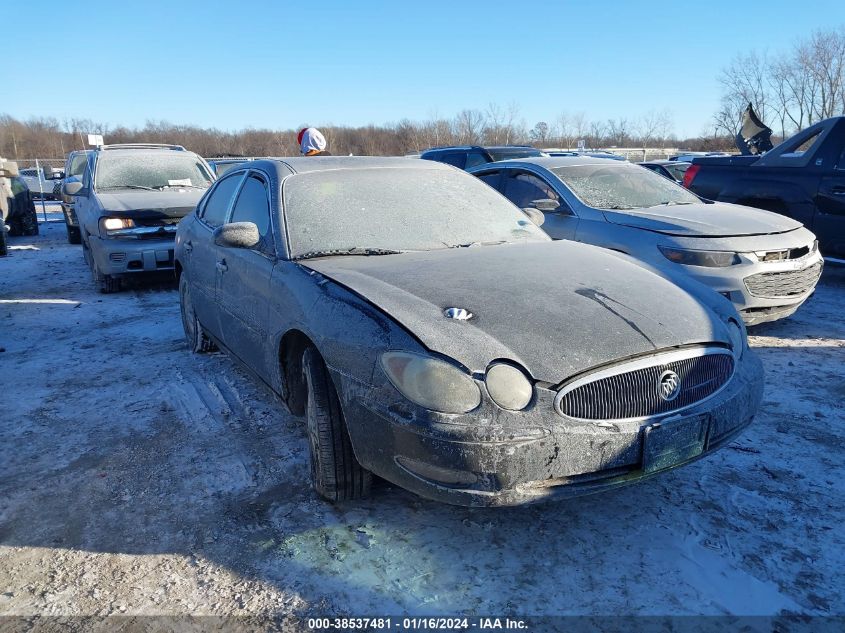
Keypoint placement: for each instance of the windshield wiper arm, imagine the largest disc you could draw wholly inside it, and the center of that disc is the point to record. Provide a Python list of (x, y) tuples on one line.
[(672, 203), (126, 187), (160, 187), (619, 207), (346, 251), (468, 244)]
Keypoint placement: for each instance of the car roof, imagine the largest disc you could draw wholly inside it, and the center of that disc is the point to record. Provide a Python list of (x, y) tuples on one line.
[(549, 162), (304, 164)]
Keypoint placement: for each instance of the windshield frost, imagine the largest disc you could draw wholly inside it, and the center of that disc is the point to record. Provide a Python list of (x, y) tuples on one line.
[(622, 186), (398, 209), (151, 170)]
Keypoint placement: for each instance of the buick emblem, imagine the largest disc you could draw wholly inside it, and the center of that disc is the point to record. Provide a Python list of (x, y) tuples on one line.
[(670, 385)]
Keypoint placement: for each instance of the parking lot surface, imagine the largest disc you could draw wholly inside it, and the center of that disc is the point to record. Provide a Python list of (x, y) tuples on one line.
[(137, 478)]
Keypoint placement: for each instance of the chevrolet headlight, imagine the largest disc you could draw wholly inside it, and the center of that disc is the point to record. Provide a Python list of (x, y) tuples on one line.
[(711, 259), (431, 383), (107, 225), (739, 338), (508, 386)]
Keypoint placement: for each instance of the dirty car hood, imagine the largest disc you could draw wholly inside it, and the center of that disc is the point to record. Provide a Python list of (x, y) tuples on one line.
[(557, 308), (169, 203), (719, 219)]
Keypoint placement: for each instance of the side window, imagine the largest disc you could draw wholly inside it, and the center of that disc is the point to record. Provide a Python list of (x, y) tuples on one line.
[(217, 204), (799, 149), (458, 159), (491, 178), (253, 205), (840, 164), (77, 165), (475, 158), (522, 189)]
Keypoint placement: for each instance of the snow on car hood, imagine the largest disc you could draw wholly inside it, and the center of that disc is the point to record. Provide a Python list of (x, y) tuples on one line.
[(172, 203), (556, 308), (718, 219)]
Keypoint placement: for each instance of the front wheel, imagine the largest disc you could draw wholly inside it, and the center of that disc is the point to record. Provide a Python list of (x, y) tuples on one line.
[(73, 234), (335, 473), (195, 336)]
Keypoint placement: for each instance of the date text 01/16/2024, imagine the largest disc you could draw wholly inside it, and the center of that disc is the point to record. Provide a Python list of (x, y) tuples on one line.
[(417, 624)]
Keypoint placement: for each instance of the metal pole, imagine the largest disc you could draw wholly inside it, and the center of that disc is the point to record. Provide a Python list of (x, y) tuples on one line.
[(41, 187)]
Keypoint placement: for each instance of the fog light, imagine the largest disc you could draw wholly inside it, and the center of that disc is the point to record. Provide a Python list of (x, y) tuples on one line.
[(508, 386)]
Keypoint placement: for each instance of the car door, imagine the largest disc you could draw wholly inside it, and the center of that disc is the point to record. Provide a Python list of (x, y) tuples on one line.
[(524, 189), (829, 219), (244, 278), (202, 254)]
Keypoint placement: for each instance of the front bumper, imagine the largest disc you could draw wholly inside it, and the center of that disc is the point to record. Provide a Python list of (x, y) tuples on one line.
[(759, 305), (491, 457), (116, 256)]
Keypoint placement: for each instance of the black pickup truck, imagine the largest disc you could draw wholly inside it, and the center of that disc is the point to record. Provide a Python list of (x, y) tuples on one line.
[(803, 178)]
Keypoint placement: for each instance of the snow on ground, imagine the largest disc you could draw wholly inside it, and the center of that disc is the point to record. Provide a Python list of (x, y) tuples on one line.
[(137, 478)]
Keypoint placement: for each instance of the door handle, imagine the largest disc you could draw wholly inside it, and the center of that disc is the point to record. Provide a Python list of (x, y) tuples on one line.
[(221, 266), (188, 246)]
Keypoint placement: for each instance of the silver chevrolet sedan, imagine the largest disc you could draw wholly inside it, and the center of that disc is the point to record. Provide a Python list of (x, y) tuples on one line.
[(431, 334), (765, 263)]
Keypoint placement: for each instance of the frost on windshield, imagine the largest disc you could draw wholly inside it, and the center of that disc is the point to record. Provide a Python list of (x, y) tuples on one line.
[(398, 209), (622, 187), (151, 171)]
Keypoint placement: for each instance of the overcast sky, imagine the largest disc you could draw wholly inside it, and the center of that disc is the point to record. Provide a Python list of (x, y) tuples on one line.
[(283, 64)]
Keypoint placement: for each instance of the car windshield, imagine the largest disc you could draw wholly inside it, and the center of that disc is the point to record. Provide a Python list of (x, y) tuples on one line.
[(677, 169), (514, 152), (158, 170), (222, 168), (622, 186), (397, 209)]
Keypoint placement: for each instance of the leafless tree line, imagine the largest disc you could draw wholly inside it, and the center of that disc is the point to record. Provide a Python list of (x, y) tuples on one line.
[(789, 91), (493, 125)]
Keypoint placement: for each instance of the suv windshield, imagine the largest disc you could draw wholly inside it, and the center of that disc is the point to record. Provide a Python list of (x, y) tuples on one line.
[(398, 209), (620, 186), (516, 152), (150, 170)]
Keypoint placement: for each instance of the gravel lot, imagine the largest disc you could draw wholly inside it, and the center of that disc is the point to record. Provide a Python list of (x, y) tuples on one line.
[(136, 478)]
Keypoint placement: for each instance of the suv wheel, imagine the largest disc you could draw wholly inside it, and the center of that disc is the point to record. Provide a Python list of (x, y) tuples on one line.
[(335, 473), (106, 284), (197, 339), (73, 235)]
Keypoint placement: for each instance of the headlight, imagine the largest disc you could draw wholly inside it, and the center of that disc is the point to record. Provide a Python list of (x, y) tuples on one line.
[(712, 259), (430, 383), (738, 338), (508, 386), (115, 224)]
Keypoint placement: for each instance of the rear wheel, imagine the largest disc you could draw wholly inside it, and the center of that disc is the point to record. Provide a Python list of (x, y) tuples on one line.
[(195, 336), (335, 473), (3, 248)]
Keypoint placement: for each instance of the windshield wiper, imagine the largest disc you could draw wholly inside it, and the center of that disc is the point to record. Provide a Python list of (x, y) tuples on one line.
[(160, 187), (672, 203), (346, 251), (619, 207), (468, 244), (126, 187)]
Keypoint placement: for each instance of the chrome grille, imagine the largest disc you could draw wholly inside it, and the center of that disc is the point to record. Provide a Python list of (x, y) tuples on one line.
[(632, 390), (783, 284)]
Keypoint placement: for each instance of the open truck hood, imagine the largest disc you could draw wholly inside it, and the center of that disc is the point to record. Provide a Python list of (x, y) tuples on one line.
[(557, 308), (718, 219)]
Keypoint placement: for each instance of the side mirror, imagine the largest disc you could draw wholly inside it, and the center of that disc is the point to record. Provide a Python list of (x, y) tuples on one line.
[(71, 186), (547, 205), (237, 235), (535, 216)]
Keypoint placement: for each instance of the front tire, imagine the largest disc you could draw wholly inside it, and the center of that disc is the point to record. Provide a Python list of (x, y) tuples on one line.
[(73, 235), (196, 338), (335, 473)]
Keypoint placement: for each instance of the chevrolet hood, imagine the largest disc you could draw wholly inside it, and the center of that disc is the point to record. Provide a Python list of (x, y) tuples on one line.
[(557, 308), (718, 219), (168, 203)]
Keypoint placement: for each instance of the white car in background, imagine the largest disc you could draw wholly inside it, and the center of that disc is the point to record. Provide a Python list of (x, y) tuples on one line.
[(765, 263), (41, 182)]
